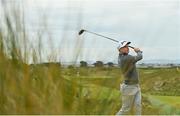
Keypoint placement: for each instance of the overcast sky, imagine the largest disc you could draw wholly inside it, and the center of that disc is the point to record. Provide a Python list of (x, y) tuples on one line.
[(151, 25)]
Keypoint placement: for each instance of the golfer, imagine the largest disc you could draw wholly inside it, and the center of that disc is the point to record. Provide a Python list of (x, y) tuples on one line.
[(130, 89)]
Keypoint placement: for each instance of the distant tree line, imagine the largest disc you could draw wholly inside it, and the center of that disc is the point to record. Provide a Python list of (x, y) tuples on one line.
[(96, 64), (82, 64)]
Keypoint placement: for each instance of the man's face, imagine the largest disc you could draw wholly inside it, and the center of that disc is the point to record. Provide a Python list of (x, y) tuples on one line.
[(124, 50)]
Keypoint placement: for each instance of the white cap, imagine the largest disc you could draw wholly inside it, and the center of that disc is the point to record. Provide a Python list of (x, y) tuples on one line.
[(122, 43)]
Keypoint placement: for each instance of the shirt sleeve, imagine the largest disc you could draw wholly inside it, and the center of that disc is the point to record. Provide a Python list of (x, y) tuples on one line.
[(136, 58)]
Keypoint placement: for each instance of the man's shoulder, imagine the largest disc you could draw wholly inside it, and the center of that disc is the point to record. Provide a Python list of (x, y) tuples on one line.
[(129, 56)]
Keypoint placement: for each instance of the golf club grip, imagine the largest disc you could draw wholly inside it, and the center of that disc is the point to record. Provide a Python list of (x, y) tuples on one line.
[(131, 47)]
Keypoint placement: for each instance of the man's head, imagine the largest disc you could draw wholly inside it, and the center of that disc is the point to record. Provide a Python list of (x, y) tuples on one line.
[(123, 47)]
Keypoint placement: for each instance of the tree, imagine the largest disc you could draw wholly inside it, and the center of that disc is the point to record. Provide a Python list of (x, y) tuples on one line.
[(98, 64), (110, 64), (83, 64)]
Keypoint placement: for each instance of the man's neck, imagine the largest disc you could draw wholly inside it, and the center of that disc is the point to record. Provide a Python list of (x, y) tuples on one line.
[(123, 53)]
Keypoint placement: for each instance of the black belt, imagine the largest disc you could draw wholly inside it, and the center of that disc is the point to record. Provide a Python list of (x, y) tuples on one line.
[(130, 83)]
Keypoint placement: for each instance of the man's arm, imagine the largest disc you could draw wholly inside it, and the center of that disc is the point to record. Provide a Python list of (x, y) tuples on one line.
[(139, 55)]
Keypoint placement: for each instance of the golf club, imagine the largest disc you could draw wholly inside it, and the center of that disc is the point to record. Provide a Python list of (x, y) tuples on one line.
[(83, 30)]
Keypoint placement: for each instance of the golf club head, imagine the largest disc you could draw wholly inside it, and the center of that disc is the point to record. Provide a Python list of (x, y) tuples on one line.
[(81, 31)]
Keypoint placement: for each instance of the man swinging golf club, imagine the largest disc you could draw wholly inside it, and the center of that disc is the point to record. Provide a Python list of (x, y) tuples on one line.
[(131, 94), (130, 89)]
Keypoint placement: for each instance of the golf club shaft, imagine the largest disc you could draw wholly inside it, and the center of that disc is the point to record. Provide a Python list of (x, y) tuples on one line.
[(102, 36), (106, 37)]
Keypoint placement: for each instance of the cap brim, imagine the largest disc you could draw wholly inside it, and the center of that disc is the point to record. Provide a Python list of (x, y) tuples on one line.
[(128, 43)]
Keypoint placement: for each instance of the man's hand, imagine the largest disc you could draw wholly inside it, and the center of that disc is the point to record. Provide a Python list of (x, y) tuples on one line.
[(137, 49)]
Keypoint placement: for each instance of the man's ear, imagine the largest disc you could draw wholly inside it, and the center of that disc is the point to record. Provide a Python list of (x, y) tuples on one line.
[(120, 49)]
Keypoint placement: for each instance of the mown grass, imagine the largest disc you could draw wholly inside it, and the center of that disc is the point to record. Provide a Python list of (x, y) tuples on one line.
[(148, 85), (174, 101), (168, 105)]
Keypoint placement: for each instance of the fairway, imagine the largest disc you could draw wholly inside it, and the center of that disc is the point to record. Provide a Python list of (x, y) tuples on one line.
[(103, 85), (167, 104)]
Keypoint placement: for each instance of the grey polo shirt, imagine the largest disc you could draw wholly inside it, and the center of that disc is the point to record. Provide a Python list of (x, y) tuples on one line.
[(127, 64)]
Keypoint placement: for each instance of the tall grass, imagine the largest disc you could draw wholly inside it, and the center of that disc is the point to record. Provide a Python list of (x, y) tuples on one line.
[(38, 88), (24, 88)]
